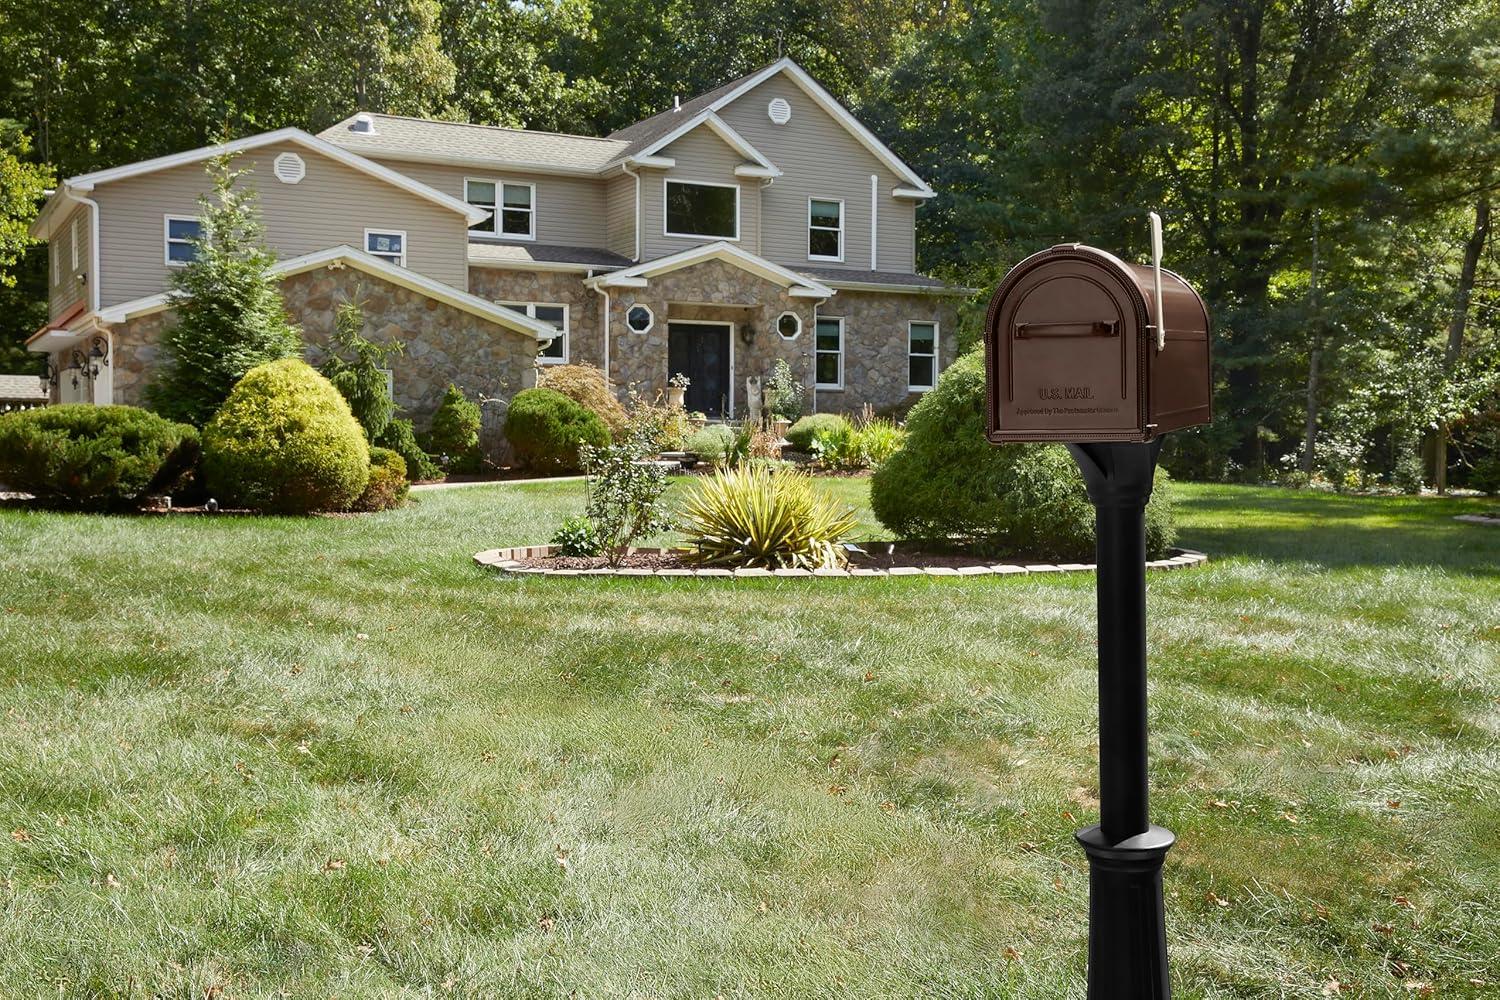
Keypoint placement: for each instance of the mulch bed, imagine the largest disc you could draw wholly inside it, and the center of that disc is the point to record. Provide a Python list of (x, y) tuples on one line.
[(877, 556)]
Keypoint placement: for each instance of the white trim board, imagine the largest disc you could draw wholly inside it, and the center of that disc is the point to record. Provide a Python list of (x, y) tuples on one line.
[(918, 187), (87, 182), (362, 261)]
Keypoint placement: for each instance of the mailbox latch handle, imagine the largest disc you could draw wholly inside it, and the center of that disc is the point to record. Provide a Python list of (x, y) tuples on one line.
[(1098, 328)]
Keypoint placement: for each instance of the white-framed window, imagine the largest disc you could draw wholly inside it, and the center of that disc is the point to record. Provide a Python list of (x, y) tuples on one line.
[(828, 362), (512, 207), (639, 318), (181, 234), (701, 209), (387, 244), (789, 325), (825, 229), (554, 313), (921, 355), (77, 241)]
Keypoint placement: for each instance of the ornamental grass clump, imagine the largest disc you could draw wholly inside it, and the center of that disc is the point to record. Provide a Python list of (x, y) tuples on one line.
[(759, 516)]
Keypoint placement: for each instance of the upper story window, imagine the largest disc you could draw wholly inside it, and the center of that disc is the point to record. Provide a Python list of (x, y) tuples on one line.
[(182, 239), (921, 356), (698, 209), (513, 207), (825, 229), (387, 244), (556, 352)]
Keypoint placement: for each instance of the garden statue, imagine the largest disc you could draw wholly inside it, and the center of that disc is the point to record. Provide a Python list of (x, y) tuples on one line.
[(753, 399)]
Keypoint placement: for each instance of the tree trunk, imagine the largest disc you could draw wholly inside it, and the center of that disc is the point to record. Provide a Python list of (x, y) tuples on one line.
[(1310, 434), (1473, 249)]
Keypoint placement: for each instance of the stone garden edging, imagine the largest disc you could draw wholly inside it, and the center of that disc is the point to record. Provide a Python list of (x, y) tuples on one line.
[(508, 561), (1478, 518)]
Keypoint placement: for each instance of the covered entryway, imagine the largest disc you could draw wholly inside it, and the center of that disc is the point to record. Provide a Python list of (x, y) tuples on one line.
[(704, 352)]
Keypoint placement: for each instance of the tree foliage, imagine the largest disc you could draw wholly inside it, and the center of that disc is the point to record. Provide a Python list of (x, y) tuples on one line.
[(229, 313)]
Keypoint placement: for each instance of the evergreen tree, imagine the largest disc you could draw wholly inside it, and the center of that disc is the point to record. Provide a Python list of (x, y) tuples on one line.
[(361, 380), (230, 316)]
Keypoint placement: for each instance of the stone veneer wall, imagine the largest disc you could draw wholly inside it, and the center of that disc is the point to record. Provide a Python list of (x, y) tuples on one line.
[(443, 344), (639, 360), (553, 288), (875, 360)]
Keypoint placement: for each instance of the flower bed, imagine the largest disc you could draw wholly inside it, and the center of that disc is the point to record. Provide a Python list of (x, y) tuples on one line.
[(879, 559)]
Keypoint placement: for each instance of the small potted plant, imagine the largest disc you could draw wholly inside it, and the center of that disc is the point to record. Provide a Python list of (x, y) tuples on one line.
[(677, 387)]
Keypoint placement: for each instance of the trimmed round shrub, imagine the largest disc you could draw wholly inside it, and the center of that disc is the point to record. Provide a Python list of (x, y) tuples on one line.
[(713, 444), (947, 483), (546, 429), (284, 441), (587, 386), (388, 485), (94, 457), (454, 438), (801, 435)]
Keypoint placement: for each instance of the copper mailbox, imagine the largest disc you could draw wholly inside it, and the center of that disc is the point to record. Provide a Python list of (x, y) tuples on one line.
[(1073, 351)]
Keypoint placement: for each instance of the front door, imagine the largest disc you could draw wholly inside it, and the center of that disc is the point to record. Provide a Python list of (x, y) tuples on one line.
[(702, 352)]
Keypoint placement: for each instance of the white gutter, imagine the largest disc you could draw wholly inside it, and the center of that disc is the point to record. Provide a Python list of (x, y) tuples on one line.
[(874, 221), (626, 167), (605, 325)]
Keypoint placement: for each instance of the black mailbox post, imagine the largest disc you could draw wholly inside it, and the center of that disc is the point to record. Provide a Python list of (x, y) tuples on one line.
[(1104, 356)]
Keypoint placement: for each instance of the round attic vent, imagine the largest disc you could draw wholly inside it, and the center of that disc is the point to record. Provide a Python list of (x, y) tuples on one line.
[(289, 168), (779, 110)]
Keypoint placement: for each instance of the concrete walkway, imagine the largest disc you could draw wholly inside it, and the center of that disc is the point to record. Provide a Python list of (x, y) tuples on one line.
[(421, 487)]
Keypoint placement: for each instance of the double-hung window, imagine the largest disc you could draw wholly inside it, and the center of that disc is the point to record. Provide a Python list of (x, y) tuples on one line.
[(387, 244), (512, 207), (921, 355), (825, 229), (695, 209), (555, 353), (182, 234), (829, 363)]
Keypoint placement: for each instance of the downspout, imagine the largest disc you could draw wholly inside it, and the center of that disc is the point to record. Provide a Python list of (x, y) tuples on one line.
[(626, 167), (760, 212), (874, 221), (605, 325)]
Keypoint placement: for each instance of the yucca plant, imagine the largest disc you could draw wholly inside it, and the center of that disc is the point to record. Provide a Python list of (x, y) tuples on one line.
[(755, 515)]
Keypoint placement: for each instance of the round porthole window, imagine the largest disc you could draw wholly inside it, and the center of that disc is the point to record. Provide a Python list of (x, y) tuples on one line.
[(788, 324), (639, 319), (779, 110)]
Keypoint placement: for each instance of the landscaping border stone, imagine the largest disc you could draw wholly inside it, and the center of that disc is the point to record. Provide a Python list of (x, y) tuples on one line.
[(509, 561), (1478, 518)]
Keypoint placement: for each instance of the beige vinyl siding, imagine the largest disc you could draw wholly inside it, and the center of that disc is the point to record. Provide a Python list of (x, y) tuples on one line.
[(333, 204), (569, 210), (820, 159), (619, 195), (63, 295), (701, 156)]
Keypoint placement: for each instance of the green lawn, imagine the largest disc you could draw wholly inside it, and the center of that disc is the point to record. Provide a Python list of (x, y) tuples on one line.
[(317, 757)]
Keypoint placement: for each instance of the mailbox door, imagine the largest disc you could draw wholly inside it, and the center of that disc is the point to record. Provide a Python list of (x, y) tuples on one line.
[(1071, 356)]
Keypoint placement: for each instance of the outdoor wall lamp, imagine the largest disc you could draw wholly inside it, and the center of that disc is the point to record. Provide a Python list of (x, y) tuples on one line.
[(747, 333), (49, 374), (99, 350)]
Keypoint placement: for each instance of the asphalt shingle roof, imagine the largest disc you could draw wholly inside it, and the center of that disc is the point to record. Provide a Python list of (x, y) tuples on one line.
[(21, 388), (395, 136), (838, 274), (643, 133)]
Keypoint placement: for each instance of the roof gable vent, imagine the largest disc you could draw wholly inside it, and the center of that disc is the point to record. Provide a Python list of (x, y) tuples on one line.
[(779, 110), (363, 124), (289, 168)]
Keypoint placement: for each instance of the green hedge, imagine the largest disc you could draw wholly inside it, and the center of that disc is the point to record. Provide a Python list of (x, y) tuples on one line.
[(388, 486), (454, 438), (546, 429), (801, 435), (94, 457), (285, 441), (948, 483)]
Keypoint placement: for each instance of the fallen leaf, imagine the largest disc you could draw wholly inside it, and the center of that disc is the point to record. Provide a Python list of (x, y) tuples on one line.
[(1385, 929), (1217, 900), (1333, 986), (20, 835), (1402, 901), (1393, 803), (546, 924), (1011, 955), (334, 865), (1420, 987)]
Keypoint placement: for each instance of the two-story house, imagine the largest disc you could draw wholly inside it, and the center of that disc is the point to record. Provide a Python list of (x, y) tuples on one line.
[(757, 222)]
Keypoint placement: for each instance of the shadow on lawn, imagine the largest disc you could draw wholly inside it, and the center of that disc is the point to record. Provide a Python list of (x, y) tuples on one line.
[(1338, 531)]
